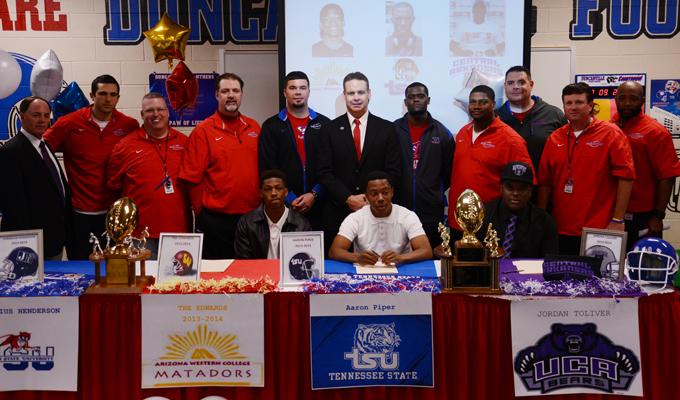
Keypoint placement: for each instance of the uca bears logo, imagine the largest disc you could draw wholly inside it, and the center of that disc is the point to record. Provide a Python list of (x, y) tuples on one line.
[(374, 347), (576, 355), (16, 353)]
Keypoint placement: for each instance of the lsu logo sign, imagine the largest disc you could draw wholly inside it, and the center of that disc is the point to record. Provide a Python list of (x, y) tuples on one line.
[(17, 353), (371, 340)]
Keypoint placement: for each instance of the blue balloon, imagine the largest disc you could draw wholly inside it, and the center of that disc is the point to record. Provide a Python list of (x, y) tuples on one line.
[(70, 99)]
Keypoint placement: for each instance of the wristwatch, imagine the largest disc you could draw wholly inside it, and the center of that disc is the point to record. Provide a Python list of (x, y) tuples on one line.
[(659, 214)]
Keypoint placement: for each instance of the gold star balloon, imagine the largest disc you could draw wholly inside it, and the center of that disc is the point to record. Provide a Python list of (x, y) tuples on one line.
[(168, 39)]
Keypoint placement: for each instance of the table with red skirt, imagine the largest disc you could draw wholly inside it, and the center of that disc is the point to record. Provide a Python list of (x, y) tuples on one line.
[(472, 353)]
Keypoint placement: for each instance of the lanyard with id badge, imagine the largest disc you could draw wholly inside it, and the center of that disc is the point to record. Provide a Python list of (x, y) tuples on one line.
[(569, 185), (168, 188)]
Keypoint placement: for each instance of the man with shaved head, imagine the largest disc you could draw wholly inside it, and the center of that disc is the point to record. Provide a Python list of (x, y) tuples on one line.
[(656, 163)]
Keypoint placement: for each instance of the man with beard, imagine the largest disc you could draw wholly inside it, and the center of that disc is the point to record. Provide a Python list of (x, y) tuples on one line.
[(524, 230), (289, 142), (220, 166), (426, 153), (483, 148), (656, 163)]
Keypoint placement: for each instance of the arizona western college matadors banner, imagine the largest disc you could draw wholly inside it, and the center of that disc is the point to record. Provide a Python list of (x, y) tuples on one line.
[(202, 340)]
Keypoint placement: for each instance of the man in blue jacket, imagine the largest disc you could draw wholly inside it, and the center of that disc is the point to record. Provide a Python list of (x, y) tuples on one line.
[(427, 153), (289, 142)]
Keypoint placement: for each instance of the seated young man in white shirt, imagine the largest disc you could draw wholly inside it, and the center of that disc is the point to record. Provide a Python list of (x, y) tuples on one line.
[(381, 232)]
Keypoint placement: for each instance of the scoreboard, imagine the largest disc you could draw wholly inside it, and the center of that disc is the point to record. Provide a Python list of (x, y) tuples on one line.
[(604, 89)]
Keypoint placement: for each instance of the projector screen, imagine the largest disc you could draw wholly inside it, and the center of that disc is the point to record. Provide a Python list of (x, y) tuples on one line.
[(449, 45)]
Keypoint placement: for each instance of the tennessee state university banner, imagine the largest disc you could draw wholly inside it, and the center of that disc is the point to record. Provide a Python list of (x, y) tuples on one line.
[(565, 346), (202, 340), (371, 340), (39, 343)]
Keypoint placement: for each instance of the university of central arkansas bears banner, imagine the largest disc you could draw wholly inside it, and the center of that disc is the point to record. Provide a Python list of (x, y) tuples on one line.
[(576, 346), (371, 340), (39, 343), (202, 340)]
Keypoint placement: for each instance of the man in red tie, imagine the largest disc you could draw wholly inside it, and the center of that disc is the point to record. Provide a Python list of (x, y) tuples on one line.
[(353, 145)]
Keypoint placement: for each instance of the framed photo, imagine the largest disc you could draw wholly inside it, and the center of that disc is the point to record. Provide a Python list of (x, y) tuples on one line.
[(610, 246), (21, 255), (179, 256), (301, 257)]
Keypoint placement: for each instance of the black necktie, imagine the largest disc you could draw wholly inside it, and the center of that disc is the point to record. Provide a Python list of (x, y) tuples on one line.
[(51, 167)]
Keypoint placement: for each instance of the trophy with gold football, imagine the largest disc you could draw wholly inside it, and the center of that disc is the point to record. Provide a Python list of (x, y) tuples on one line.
[(121, 258), (473, 267)]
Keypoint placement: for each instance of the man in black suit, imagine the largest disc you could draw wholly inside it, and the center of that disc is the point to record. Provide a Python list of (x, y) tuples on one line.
[(34, 193), (352, 146)]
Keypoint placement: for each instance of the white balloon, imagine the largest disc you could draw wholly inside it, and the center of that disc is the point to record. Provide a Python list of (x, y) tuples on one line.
[(475, 78), (46, 76), (11, 74)]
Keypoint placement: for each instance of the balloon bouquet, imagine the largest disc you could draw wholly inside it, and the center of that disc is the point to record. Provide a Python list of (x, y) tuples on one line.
[(46, 82), (168, 41)]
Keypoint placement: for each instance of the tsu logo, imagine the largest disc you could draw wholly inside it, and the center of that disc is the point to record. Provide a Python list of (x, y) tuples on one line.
[(301, 267), (374, 346), (576, 356), (18, 353)]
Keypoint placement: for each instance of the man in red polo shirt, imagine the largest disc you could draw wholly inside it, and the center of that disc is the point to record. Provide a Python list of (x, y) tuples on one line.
[(220, 164), (586, 171), (656, 164), (144, 166), (483, 148), (86, 138)]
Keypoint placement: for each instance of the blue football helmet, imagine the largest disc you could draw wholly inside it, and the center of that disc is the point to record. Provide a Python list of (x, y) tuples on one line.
[(652, 261), (22, 261)]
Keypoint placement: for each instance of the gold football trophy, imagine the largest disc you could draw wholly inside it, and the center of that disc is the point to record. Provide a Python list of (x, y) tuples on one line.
[(121, 221), (473, 267)]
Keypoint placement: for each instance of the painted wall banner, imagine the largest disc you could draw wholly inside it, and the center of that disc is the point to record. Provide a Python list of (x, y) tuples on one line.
[(371, 340), (576, 346), (202, 340), (624, 19), (604, 89), (216, 22), (665, 94), (39, 343), (206, 103)]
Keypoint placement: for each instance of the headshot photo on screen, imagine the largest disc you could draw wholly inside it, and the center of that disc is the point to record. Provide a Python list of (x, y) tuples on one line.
[(477, 28), (332, 32), (402, 41)]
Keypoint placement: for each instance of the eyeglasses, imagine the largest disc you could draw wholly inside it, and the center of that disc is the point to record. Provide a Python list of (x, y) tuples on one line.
[(158, 110)]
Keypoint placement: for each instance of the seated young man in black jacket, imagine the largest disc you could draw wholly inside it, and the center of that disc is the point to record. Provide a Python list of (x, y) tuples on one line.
[(258, 232), (524, 230)]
